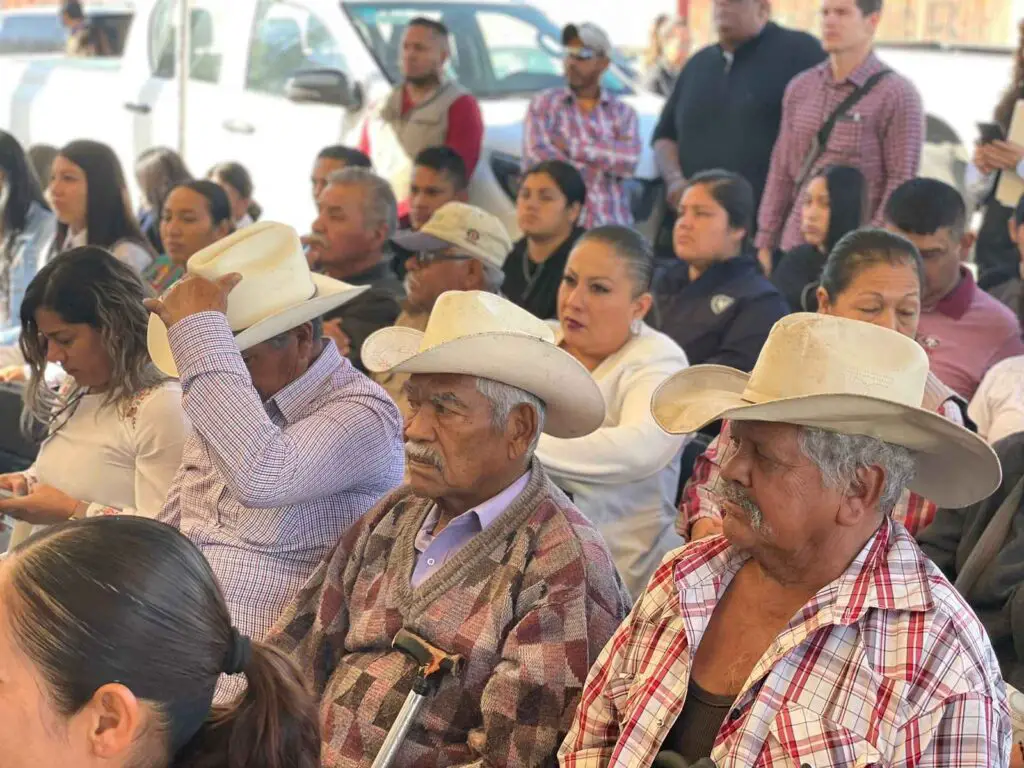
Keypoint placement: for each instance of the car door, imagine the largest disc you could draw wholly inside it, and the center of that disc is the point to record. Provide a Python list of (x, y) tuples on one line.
[(152, 89), (278, 139)]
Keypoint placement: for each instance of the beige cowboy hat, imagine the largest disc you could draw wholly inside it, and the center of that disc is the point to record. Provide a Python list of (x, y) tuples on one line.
[(277, 292), (475, 333), (845, 376)]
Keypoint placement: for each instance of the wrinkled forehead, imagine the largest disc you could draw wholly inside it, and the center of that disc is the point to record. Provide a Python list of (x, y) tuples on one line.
[(455, 387)]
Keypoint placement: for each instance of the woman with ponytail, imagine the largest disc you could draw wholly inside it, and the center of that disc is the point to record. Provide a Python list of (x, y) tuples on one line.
[(114, 660)]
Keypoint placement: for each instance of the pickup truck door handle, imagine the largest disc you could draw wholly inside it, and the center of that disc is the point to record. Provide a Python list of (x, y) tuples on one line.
[(139, 109), (237, 126)]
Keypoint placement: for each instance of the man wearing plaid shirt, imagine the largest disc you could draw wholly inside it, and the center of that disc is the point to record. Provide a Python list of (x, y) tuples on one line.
[(587, 126), (814, 632)]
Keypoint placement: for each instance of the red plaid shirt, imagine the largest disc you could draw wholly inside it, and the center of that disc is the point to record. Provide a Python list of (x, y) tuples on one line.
[(700, 501), (887, 665)]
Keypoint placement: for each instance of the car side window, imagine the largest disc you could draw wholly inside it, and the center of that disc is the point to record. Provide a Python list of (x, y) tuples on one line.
[(287, 39), (209, 27)]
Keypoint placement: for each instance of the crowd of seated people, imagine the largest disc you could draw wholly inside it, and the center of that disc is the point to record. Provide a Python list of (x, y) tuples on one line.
[(658, 513)]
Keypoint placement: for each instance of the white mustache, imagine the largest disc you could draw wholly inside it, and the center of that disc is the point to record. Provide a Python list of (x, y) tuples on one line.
[(419, 452)]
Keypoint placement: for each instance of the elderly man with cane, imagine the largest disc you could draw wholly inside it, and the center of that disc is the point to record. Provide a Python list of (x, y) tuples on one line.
[(478, 557), (814, 632)]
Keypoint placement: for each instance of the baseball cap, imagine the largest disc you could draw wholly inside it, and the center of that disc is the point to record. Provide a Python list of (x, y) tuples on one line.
[(466, 227), (591, 35)]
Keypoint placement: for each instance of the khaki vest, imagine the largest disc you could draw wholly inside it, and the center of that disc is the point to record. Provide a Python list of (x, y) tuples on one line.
[(396, 139)]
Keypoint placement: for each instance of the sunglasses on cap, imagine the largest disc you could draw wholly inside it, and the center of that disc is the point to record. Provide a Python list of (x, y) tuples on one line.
[(581, 53)]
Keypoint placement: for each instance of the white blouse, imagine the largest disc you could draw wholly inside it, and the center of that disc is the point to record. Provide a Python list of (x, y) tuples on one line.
[(624, 477), (117, 460), (125, 251), (998, 405)]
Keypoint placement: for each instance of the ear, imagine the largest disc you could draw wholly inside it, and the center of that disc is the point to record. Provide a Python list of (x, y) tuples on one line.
[(874, 20), (642, 305), (473, 276), (824, 302), (862, 497), (522, 426), (462, 195), (222, 230), (574, 212), (304, 339), (113, 719), (966, 243)]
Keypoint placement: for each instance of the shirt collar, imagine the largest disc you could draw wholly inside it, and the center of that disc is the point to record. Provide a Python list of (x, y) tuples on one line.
[(480, 516), (376, 273), (956, 303), (889, 573), (604, 98), (76, 241), (870, 66), (722, 272), (292, 399)]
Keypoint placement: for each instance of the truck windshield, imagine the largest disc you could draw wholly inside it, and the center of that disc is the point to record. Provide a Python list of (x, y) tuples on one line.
[(497, 49)]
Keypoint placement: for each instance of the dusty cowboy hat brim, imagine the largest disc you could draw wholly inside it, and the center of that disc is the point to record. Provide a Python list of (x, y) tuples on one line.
[(955, 467), (328, 294), (574, 405)]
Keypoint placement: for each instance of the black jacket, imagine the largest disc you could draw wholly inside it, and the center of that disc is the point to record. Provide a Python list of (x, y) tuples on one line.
[(539, 295), (371, 310), (724, 316), (997, 597), (797, 276), (726, 115)]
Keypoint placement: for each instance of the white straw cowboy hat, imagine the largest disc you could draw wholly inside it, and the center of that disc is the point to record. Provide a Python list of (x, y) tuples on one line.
[(844, 376), (278, 291), (465, 227), (481, 334)]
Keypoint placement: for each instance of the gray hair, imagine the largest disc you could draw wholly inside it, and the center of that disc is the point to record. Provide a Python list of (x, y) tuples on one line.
[(381, 206), (493, 278), (840, 456), (504, 399), (630, 246)]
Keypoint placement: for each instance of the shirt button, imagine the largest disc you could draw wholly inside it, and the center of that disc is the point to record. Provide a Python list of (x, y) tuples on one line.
[(735, 715), (430, 561)]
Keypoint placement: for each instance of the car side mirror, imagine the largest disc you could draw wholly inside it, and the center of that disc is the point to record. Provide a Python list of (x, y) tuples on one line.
[(324, 86)]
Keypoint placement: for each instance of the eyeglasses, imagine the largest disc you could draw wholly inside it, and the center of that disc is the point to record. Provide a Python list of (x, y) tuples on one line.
[(426, 258)]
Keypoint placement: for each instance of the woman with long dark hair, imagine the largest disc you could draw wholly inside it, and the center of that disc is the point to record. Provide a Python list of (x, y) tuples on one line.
[(194, 215), (158, 170), (235, 180), (113, 634), (835, 205), (26, 231), (115, 429), (89, 196)]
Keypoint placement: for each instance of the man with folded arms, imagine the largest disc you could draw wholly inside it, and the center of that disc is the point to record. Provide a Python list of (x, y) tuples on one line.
[(289, 444), (814, 631), (478, 554)]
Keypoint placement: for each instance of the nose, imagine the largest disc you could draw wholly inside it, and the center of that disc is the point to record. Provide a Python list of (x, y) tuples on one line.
[(417, 425), (887, 319), (736, 465), (412, 264), (318, 225), (54, 354)]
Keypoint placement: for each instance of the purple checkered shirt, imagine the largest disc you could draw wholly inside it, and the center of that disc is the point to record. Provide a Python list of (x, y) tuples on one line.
[(882, 135), (266, 490), (604, 145)]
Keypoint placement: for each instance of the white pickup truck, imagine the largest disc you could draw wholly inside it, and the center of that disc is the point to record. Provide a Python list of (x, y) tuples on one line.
[(258, 92)]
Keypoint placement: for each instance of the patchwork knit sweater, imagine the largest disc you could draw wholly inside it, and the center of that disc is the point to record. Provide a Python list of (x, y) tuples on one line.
[(529, 603)]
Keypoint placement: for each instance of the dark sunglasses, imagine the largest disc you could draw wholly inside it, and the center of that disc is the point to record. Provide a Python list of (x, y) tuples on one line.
[(581, 53), (426, 258)]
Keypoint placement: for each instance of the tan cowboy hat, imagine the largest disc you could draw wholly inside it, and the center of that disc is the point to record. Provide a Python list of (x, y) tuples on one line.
[(481, 334), (278, 291), (845, 376)]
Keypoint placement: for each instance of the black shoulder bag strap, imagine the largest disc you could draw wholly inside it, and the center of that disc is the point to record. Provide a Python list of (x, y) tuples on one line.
[(819, 143)]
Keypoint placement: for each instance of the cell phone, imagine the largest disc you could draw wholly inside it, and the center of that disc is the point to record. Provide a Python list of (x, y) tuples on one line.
[(990, 132)]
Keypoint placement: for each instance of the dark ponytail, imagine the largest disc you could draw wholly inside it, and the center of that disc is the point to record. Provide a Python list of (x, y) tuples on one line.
[(153, 619), (272, 725)]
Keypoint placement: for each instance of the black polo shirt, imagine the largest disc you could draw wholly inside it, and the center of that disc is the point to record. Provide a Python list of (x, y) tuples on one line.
[(722, 317), (726, 115), (537, 292)]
